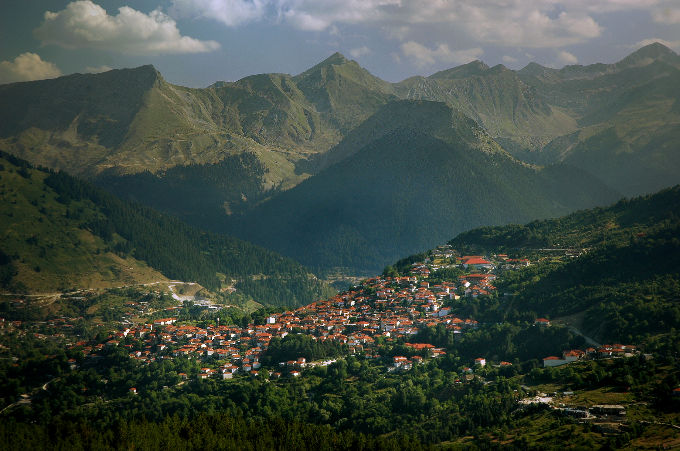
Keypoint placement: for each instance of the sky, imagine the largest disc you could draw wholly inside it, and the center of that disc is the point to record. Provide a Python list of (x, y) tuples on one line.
[(197, 42)]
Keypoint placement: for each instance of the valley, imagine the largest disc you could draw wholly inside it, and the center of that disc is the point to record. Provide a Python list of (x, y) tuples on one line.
[(482, 258), (465, 342)]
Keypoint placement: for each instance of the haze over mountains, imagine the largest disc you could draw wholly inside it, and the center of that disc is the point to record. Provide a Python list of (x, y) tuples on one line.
[(393, 167)]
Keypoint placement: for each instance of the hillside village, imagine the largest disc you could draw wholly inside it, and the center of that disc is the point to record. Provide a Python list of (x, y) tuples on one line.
[(380, 310)]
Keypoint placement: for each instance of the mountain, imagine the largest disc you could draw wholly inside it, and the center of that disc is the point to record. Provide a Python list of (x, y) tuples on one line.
[(427, 172), (624, 286), (509, 109), (59, 233), (130, 128), (211, 156), (628, 118), (343, 92)]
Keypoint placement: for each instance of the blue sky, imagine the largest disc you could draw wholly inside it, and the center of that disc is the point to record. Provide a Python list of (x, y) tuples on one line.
[(197, 42)]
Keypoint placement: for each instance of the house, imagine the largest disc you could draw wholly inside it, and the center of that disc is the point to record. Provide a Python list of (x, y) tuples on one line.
[(553, 361), (477, 262), (542, 322), (573, 355), (480, 361)]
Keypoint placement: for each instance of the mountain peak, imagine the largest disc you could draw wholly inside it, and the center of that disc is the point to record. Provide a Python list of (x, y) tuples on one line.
[(650, 53), (533, 69), (470, 69), (336, 58), (654, 49)]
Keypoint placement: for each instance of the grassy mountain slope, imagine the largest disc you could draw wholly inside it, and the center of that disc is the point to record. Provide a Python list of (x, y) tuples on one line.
[(408, 189), (59, 232), (209, 155), (509, 109), (131, 128), (131, 121), (343, 92), (626, 286)]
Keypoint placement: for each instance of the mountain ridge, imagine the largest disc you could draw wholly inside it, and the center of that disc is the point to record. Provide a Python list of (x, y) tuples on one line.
[(266, 134), (414, 181)]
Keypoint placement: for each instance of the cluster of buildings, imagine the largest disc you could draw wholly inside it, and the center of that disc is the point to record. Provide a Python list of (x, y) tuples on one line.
[(604, 351), (380, 309)]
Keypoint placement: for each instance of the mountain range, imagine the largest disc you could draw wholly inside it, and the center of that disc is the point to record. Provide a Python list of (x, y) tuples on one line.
[(335, 166)]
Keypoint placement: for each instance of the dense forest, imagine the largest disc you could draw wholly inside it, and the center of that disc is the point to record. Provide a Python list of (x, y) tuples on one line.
[(201, 195), (352, 403)]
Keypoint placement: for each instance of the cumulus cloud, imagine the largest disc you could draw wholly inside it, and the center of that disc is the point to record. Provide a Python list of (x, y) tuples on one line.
[(567, 58), (229, 12), (359, 52), (27, 67), (84, 24), (531, 27), (423, 56), (507, 59)]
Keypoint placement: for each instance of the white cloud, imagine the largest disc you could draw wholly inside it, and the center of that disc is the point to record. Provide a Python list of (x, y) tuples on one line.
[(675, 45), (509, 59), (397, 32), (525, 23), (97, 69), (359, 52), (27, 67), (530, 27), (84, 24), (423, 56), (565, 57)]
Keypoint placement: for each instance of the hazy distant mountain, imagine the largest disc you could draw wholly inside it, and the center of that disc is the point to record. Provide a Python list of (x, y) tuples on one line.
[(509, 109), (423, 175), (628, 115)]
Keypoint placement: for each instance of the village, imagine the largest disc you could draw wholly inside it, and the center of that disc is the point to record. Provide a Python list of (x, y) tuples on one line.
[(381, 309)]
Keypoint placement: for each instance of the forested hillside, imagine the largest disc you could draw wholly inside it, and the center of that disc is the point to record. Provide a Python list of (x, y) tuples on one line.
[(409, 189), (59, 233), (626, 283)]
